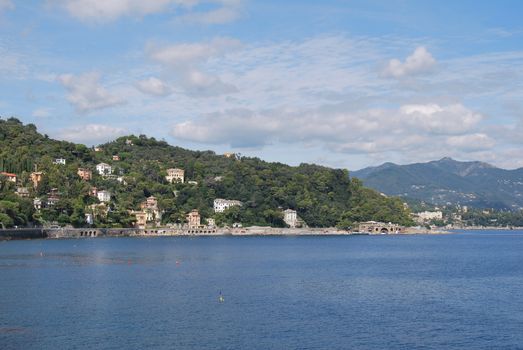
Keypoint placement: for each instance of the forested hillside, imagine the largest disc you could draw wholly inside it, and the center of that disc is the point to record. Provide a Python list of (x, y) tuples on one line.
[(322, 196)]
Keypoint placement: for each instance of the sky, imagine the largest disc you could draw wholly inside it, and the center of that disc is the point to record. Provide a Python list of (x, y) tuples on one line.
[(346, 84)]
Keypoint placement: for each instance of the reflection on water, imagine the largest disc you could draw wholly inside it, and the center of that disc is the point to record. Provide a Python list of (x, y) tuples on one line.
[(432, 292)]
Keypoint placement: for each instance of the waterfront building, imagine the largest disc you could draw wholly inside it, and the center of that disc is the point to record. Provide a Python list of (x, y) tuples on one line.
[(193, 219), (374, 227), (150, 208), (220, 204), (141, 219), (290, 217), (104, 196), (85, 174), (175, 175), (59, 161), (104, 169), (36, 178), (10, 177)]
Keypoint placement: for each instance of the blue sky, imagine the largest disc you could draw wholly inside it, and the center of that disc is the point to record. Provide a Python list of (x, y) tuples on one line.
[(346, 84)]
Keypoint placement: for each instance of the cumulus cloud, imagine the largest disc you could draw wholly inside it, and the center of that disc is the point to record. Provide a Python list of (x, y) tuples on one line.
[(154, 86), (86, 93), (368, 131), (91, 134), (186, 62), (420, 61)]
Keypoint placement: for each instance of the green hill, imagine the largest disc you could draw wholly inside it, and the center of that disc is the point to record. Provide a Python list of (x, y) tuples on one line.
[(322, 196)]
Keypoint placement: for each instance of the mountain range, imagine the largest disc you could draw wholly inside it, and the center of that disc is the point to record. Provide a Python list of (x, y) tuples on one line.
[(448, 182)]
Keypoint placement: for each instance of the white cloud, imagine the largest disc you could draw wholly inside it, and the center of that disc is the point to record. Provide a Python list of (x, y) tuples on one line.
[(372, 131), (472, 142), (220, 15), (6, 5), (189, 54), (111, 10), (154, 86), (419, 62), (91, 134), (41, 113), (86, 93)]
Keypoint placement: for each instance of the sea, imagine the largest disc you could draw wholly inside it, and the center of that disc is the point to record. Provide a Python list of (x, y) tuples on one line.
[(454, 291)]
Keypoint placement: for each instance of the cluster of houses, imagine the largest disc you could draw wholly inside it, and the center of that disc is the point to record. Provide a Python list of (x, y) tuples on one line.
[(149, 213)]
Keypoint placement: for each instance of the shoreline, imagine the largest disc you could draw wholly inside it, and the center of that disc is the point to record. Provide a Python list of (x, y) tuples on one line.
[(77, 233)]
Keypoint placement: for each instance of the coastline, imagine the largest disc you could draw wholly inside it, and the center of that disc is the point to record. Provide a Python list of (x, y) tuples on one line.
[(77, 233)]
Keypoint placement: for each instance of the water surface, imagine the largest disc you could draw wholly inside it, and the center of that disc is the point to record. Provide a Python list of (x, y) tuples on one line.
[(459, 291)]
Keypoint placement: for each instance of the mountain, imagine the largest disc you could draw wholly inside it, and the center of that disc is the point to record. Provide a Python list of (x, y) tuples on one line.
[(321, 196), (447, 181)]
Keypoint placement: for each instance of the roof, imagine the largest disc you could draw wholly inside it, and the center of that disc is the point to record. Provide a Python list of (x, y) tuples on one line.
[(7, 174)]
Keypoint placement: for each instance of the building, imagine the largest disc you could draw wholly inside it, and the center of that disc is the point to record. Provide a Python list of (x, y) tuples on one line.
[(129, 142), (175, 175), (374, 227), (104, 169), (22, 192), (98, 149), (211, 222), (104, 196), (290, 217), (193, 219), (116, 157), (93, 192), (53, 197), (85, 174), (10, 177), (89, 218), (229, 155), (426, 216), (37, 203), (36, 178), (220, 205), (59, 161), (141, 219)]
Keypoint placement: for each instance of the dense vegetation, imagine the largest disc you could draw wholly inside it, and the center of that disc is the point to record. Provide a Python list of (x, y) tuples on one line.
[(322, 196)]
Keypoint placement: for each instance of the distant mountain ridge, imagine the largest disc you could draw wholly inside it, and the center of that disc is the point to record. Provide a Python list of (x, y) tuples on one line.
[(447, 181)]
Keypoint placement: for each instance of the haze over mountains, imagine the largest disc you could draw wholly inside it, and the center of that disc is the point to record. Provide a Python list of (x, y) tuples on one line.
[(447, 181)]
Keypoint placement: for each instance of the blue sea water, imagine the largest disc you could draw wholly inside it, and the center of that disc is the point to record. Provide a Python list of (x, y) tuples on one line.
[(460, 291)]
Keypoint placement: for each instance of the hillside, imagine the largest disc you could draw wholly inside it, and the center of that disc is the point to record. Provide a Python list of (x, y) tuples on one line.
[(321, 196), (448, 181)]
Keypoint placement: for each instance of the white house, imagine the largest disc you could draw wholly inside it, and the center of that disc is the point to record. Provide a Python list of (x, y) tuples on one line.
[(290, 217), (221, 204), (104, 196), (104, 169), (60, 161), (175, 175)]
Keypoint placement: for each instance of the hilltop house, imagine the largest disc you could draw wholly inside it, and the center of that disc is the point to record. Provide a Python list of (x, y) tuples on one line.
[(85, 174), (22, 192), (104, 169), (10, 177), (175, 175), (104, 196), (220, 204), (36, 178)]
